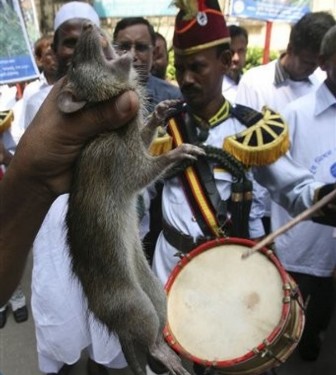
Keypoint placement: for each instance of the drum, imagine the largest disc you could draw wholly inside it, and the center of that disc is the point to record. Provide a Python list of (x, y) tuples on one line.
[(238, 316)]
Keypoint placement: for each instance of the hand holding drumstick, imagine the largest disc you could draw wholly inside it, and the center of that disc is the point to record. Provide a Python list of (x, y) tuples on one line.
[(303, 216)]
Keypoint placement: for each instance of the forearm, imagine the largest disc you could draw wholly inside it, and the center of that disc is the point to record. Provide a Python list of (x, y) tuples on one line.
[(149, 131), (24, 202), (157, 118), (289, 185)]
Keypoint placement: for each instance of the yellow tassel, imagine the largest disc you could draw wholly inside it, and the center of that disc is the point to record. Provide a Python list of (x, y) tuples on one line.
[(263, 153), (6, 118), (161, 145)]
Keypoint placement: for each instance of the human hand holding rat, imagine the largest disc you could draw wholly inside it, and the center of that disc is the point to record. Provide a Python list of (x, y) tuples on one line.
[(41, 169), (53, 141)]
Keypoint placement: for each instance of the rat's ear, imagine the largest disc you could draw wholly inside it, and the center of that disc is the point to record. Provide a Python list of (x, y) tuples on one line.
[(121, 67), (66, 102)]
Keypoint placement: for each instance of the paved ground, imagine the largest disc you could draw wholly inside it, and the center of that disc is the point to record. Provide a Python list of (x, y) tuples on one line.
[(18, 350)]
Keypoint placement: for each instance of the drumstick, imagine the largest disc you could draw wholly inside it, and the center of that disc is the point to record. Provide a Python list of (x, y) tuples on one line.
[(304, 215)]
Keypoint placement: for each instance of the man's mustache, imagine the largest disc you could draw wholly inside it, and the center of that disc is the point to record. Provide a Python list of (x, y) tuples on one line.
[(190, 89)]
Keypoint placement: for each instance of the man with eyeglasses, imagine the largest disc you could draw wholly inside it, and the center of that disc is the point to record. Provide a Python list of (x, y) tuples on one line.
[(136, 34)]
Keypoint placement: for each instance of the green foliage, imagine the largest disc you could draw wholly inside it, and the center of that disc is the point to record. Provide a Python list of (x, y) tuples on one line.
[(253, 58), (170, 67), (11, 41)]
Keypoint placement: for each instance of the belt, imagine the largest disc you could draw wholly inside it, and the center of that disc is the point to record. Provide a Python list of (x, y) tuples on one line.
[(182, 242)]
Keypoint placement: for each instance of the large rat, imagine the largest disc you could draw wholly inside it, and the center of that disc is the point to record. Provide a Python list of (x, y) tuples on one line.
[(105, 247)]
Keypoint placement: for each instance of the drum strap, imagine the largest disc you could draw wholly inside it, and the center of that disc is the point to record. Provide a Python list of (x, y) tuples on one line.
[(198, 180), (182, 242)]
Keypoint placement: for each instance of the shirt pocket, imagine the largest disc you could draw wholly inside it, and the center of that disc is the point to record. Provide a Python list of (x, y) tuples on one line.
[(223, 181)]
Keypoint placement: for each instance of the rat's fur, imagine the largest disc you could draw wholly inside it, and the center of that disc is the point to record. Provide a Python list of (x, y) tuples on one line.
[(107, 256)]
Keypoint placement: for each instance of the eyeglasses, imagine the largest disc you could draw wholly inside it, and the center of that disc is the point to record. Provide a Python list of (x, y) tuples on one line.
[(124, 47)]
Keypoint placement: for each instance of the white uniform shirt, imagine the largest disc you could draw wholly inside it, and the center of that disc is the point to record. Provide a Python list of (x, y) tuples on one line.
[(309, 247), (261, 86), (295, 190), (229, 89), (269, 85)]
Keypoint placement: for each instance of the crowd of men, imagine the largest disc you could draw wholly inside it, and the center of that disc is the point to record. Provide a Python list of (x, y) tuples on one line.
[(285, 173)]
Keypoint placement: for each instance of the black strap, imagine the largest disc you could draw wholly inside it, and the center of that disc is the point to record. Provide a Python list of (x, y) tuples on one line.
[(206, 179), (246, 115), (180, 241)]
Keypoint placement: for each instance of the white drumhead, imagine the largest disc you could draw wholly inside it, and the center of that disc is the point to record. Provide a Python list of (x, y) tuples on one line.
[(221, 306)]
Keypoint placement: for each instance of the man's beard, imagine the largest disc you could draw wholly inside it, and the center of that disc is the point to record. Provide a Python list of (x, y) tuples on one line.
[(234, 75)]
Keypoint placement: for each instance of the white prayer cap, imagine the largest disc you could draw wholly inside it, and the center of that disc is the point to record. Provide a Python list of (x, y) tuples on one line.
[(75, 9)]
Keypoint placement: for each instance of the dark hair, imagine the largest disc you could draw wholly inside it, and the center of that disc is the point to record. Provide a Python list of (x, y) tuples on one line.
[(238, 31), (55, 40), (328, 45), (309, 31), (160, 36), (222, 48), (39, 44), (131, 21)]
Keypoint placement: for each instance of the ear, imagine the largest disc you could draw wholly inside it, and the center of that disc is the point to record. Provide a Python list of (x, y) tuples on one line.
[(156, 50), (289, 49), (38, 61), (323, 62), (66, 102), (226, 60)]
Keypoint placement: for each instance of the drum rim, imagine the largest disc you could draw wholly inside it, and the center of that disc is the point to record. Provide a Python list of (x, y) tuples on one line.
[(285, 313)]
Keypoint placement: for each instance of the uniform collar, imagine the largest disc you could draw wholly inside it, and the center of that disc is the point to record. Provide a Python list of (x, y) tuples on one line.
[(280, 74), (221, 115), (324, 99)]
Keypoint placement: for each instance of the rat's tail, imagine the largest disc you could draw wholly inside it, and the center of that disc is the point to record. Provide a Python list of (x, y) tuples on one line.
[(132, 358)]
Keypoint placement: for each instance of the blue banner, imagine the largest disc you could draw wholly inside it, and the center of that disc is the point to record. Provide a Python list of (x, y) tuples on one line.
[(132, 8), (17, 62), (269, 10)]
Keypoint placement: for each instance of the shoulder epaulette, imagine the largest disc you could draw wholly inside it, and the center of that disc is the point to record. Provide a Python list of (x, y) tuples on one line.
[(265, 139), (246, 115), (6, 118)]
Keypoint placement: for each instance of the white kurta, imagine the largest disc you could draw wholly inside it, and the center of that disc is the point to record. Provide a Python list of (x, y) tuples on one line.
[(20, 107), (33, 104), (62, 322), (7, 101), (310, 248), (63, 327)]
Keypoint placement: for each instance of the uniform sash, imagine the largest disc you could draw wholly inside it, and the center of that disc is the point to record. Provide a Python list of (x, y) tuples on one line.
[(198, 181)]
